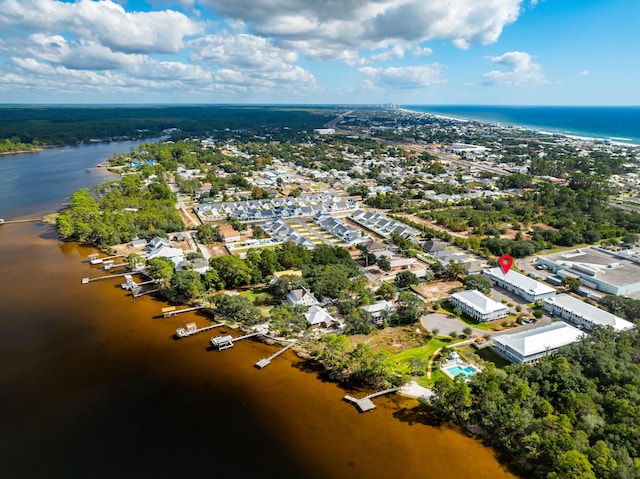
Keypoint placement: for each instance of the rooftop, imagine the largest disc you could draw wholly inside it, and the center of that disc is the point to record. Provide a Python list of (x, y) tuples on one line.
[(590, 313), (539, 340), (618, 268), (521, 281), (479, 301)]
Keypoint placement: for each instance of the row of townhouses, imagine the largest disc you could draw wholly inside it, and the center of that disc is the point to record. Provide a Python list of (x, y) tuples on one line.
[(267, 209)]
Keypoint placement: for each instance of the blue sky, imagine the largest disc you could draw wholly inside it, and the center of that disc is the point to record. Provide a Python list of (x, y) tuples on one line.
[(512, 52)]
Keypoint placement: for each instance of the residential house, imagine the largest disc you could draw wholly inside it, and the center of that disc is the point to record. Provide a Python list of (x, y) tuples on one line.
[(317, 316), (302, 296)]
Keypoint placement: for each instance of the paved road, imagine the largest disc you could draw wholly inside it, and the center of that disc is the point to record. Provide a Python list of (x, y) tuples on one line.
[(447, 324)]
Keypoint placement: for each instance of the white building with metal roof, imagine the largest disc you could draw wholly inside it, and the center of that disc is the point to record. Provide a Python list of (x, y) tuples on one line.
[(477, 306), (525, 287), (582, 314), (532, 345)]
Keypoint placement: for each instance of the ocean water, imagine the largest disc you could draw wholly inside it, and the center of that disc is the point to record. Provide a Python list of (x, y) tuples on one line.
[(620, 124)]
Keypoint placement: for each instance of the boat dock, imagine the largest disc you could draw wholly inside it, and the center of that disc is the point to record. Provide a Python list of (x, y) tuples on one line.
[(94, 259), (191, 328), (29, 220), (167, 312), (109, 276), (266, 361), (366, 404), (225, 342)]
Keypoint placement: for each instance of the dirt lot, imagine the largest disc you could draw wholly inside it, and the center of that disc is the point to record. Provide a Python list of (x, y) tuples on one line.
[(393, 340), (216, 249), (436, 291)]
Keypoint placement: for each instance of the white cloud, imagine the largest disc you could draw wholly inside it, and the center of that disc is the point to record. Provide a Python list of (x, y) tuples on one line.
[(405, 78), (388, 54), (105, 22), (338, 29), (584, 73), (521, 70), (422, 52), (252, 56)]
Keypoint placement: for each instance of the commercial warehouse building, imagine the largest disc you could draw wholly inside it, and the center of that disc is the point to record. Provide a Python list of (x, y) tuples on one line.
[(477, 306), (583, 315), (612, 272), (532, 345), (527, 288)]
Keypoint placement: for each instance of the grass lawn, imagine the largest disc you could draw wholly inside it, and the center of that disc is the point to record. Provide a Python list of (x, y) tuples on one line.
[(260, 296), (484, 354), (422, 354)]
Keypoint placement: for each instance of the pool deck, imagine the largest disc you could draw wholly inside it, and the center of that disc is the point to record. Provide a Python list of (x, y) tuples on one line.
[(457, 363)]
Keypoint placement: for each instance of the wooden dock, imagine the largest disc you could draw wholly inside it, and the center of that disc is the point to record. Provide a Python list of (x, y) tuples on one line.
[(173, 312), (264, 362), (366, 404), (28, 220), (94, 259), (190, 329), (225, 342), (109, 276)]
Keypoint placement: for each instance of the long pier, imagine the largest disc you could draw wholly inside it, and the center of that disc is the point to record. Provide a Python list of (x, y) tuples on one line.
[(225, 342), (28, 220), (264, 362), (191, 329), (109, 276), (366, 404), (168, 314)]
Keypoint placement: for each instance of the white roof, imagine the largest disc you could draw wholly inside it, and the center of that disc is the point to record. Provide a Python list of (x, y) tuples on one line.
[(521, 281), (174, 254), (478, 301), (539, 340), (379, 306), (590, 313), (317, 315)]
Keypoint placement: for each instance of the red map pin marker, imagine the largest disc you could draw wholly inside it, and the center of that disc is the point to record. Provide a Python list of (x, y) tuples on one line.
[(506, 261)]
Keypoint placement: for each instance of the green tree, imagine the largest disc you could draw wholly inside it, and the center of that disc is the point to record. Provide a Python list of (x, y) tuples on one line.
[(387, 291), (187, 285), (405, 279), (134, 260), (479, 282), (452, 399), (572, 465), (161, 269), (208, 234), (409, 308), (383, 263), (232, 270), (237, 308), (358, 321), (570, 283)]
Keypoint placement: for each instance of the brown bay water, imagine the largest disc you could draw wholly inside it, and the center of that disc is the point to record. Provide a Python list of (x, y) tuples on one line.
[(93, 385)]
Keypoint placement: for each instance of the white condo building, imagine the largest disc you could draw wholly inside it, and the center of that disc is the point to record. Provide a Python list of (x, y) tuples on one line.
[(582, 314), (525, 287), (477, 306), (534, 344)]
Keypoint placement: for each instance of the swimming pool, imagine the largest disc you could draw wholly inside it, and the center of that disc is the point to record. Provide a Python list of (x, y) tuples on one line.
[(468, 371)]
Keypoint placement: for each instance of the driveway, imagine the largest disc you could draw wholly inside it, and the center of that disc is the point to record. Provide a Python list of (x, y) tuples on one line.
[(447, 324)]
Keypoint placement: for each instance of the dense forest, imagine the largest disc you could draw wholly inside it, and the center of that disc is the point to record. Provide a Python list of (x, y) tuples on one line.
[(124, 210), (70, 125)]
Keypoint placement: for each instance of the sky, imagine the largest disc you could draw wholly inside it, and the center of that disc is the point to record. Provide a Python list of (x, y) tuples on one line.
[(408, 52)]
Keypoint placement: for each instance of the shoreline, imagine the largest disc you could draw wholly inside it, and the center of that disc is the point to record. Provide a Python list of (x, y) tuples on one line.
[(25, 152), (612, 140)]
